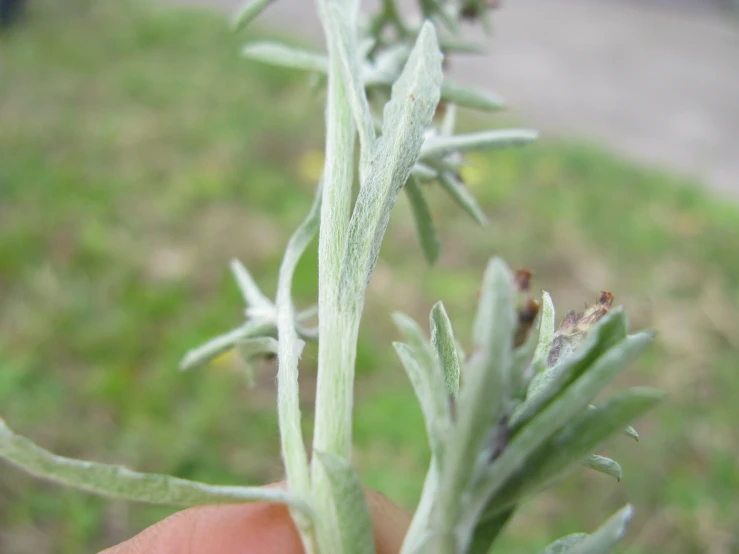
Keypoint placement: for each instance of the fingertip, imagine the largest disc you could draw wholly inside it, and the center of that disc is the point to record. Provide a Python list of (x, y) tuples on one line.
[(230, 529)]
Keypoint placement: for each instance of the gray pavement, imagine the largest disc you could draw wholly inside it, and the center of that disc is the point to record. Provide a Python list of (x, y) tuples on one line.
[(656, 81)]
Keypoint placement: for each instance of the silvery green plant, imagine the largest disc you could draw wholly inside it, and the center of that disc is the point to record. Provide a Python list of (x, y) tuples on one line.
[(503, 422)]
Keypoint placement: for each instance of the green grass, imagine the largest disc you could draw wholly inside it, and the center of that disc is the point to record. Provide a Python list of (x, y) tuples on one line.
[(138, 154)]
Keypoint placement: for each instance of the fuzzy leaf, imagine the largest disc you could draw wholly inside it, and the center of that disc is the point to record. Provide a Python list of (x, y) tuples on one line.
[(352, 513), (345, 49), (439, 146), (252, 348), (548, 384), (481, 397), (469, 97), (486, 534), (571, 402), (249, 12), (406, 117), (563, 545), (450, 120), (289, 350), (275, 53), (427, 235), (423, 386), (564, 450), (546, 329), (604, 465), (250, 291), (443, 341), (249, 349), (523, 366), (605, 538), (423, 172), (119, 482), (461, 195), (223, 343)]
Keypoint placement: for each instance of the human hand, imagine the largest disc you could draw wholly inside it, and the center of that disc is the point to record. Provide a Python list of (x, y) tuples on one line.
[(252, 529)]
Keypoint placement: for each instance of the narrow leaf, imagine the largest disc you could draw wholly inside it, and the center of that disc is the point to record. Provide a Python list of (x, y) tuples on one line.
[(546, 329), (223, 343), (249, 289), (352, 513), (119, 482), (523, 366), (423, 172), (469, 97), (345, 49), (563, 545), (605, 538), (427, 235), (571, 402), (426, 378), (289, 350), (462, 47), (450, 120), (443, 341), (553, 458), (250, 349), (604, 465), (461, 195), (249, 12), (547, 384), (406, 117), (274, 53), (438, 146), (482, 395), (253, 348), (486, 534)]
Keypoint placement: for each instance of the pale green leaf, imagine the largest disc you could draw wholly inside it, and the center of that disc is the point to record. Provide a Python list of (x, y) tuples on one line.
[(275, 53), (250, 291), (120, 482), (546, 329), (249, 349), (486, 534), (289, 350), (523, 366), (249, 12), (540, 466), (462, 196), (425, 228), (438, 146), (223, 343), (469, 97), (605, 538), (571, 402), (344, 47), (563, 545), (406, 117), (423, 386), (352, 513), (423, 172), (482, 395), (548, 383), (604, 465), (443, 341), (427, 379)]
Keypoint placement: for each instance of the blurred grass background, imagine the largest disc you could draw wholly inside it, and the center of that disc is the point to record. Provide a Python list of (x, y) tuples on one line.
[(138, 154)]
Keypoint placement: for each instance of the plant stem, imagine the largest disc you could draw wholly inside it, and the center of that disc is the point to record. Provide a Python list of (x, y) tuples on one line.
[(337, 329)]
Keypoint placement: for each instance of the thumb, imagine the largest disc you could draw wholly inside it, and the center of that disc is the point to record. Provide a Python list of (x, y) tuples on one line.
[(252, 529)]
